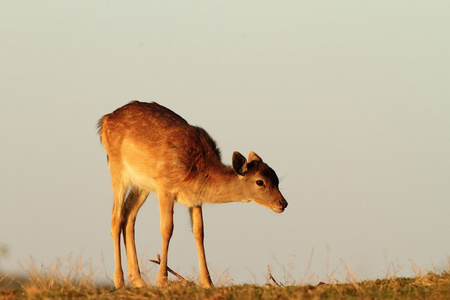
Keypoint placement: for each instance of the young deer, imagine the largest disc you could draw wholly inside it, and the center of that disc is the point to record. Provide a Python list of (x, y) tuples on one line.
[(152, 149)]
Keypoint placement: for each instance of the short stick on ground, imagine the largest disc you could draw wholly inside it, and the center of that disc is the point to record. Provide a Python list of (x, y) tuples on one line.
[(168, 269)]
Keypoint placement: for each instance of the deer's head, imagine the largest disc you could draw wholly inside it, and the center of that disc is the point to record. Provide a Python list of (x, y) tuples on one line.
[(260, 181)]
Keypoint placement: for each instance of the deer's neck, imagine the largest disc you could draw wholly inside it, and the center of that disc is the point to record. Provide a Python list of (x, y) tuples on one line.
[(222, 185)]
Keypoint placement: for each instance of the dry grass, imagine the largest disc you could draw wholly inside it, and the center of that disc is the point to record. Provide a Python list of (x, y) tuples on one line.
[(74, 278)]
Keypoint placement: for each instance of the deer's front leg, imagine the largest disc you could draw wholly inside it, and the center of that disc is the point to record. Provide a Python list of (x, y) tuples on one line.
[(197, 229), (166, 214)]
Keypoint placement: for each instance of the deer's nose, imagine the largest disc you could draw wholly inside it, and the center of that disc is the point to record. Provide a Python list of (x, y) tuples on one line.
[(283, 203)]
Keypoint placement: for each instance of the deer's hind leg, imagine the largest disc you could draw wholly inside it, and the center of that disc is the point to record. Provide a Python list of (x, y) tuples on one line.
[(135, 199), (117, 219)]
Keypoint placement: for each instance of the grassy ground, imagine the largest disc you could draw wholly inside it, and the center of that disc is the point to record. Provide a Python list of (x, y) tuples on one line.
[(44, 286), (74, 277)]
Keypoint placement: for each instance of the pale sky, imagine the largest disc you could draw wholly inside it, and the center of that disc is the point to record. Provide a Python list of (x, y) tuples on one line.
[(348, 101)]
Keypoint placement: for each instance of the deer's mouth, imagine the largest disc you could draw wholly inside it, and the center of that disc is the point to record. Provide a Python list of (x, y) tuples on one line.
[(278, 210), (277, 206), (282, 204)]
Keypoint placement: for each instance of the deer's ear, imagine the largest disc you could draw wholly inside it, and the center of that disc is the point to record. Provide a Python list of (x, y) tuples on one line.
[(239, 163), (252, 156)]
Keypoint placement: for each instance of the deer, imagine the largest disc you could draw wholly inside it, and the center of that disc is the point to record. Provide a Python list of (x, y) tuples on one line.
[(152, 149)]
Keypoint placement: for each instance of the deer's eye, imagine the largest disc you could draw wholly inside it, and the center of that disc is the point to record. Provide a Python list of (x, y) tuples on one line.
[(259, 182)]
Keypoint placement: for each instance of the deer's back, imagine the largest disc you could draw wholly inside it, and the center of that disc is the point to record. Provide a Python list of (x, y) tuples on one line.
[(151, 141)]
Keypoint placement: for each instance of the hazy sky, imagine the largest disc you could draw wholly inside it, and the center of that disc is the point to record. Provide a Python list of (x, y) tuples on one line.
[(349, 102)]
